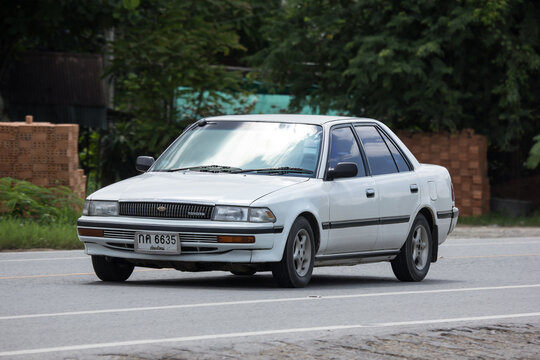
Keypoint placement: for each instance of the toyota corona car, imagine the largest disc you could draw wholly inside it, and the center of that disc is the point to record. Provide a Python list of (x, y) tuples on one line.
[(279, 193)]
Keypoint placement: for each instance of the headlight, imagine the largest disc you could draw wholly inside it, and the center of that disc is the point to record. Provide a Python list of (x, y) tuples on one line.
[(100, 208), (239, 213), (230, 213), (261, 215)]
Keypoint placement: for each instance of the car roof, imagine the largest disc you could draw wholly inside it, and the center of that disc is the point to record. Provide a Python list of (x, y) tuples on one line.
[(286, 118)]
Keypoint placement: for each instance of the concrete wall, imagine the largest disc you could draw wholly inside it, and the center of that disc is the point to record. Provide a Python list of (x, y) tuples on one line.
[(42, 153), (465, 156)]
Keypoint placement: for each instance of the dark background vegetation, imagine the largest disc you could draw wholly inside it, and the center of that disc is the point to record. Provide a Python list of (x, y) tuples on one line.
[(421, 65)]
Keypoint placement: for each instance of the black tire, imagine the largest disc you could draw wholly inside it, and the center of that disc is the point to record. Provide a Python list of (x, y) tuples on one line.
[(295, 271), (412, 263), (111, 269), (244, 273)]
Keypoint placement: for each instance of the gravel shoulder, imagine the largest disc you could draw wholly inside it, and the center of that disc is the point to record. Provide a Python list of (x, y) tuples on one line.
[(482, 342)]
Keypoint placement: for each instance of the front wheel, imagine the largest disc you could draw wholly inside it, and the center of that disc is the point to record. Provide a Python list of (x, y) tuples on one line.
[(412, 263), (296, 266), (111, 269)]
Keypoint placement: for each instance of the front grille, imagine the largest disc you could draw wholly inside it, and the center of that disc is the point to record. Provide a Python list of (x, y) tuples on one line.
[(166, 210)]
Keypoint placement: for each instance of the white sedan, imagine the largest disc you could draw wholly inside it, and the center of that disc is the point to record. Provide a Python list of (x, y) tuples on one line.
[(280, 193)]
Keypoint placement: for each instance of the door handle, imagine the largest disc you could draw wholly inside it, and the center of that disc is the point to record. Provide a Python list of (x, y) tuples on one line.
[(370, 192), (414, 188)]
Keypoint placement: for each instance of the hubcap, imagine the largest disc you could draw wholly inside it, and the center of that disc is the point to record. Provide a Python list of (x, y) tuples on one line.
[(420, 247), (302, 252)]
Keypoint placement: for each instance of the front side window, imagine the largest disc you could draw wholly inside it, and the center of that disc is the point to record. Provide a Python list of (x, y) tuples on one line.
[(379, 158), (344, 148), (245, 146)]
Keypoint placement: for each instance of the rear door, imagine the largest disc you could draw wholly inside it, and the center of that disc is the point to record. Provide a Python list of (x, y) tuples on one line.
[(398, 189)]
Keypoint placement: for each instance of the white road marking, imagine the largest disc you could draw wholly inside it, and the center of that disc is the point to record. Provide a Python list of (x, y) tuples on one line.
[(30, 251), (46, 259), (487, 256), (490, 243), (261, 333), (16, 277), (264, 301)]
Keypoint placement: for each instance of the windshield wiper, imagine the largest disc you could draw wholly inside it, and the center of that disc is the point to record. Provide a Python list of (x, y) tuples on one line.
[(277, 170), (207, 168)]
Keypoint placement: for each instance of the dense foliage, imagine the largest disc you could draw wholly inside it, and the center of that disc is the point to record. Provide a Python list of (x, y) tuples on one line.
[(155, 52), (414, 64), (165, 50), (24, 200), (534, 155), (53, 25)]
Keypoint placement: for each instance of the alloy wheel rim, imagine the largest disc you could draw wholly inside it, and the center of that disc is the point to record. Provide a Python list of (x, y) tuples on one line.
[(420, 247), (301, 252)]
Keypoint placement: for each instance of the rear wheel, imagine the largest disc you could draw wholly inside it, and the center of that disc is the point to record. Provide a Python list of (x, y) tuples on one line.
[(412, 263), (296, 266), (111, 269)]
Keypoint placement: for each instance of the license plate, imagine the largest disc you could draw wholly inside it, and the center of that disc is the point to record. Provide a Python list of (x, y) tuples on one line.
[(157, 242)]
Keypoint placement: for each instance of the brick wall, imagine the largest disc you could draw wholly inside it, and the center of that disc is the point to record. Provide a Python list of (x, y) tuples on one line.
[(465, 156), (42, 153)]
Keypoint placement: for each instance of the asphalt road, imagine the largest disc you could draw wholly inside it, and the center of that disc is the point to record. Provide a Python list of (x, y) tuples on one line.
[(482, 295)]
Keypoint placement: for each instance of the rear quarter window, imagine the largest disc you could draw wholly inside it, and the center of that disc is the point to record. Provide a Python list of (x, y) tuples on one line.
[(379, 157)]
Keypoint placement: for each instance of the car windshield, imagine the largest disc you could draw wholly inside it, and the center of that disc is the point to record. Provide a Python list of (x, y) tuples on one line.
[(245, 146)]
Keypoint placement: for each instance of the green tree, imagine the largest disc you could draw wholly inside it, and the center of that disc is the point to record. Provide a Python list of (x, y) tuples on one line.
[(53, 25), (414, 64), (156, 51), (165, 50), (534, 154)]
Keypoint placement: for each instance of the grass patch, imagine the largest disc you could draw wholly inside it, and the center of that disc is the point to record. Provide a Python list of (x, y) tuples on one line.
[(500, 219), (27, 234), (33, 216)]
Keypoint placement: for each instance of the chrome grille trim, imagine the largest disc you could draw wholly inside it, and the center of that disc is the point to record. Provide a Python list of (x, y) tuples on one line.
[(119, 234), (185, 249), (173, 210), (198, 238)]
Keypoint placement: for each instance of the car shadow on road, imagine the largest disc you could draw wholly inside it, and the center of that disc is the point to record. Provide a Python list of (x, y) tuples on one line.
[(264, 281)]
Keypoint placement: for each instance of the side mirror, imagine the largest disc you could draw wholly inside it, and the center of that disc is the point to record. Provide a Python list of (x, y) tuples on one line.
[(144, 163), (342, 170)]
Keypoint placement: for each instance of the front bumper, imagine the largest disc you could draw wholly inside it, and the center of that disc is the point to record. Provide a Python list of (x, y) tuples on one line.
[(198, 239)]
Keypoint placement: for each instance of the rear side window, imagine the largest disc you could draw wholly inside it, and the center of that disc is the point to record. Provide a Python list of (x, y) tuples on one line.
[(344, 148), (379, 158), (398, 158)]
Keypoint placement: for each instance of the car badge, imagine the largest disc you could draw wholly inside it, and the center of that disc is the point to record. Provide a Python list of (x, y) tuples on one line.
[(161, 208), (196, 213)]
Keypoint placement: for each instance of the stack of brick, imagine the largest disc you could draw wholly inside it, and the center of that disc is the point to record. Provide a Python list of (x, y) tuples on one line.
[(465, 156), (42, 153)]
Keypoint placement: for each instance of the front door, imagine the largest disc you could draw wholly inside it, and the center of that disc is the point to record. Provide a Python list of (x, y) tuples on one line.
[(354, 202)]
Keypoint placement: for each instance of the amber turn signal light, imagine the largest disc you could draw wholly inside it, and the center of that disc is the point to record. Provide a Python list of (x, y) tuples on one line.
[(236, 239), (90, 232)]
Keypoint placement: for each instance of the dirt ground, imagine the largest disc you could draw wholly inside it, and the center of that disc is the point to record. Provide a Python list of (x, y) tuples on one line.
[(491, 342)]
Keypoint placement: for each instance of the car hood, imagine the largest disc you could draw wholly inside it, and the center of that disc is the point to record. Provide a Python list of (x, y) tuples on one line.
[(196, 187)]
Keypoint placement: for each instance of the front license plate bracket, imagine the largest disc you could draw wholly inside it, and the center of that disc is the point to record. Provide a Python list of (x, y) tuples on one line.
[(157, 242)]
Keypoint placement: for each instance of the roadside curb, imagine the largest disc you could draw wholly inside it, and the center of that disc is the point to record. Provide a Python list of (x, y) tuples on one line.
[(494, 231)]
